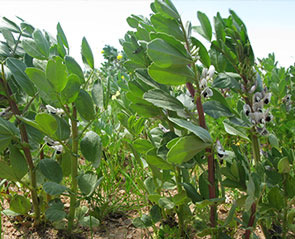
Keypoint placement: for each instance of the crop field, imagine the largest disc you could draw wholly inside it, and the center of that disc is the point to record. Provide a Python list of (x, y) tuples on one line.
[(182, 134)]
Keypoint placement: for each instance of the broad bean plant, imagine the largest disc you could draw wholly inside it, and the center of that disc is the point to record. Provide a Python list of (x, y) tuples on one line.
[(184, 92), (48, 104)]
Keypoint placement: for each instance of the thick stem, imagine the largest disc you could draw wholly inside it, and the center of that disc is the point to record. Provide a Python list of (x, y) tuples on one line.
[(25, 147), (285, 210), (180, 212), (251, 220), (74, 170)]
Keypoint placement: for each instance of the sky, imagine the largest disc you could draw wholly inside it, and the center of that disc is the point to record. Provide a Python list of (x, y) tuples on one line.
[(270, 23)]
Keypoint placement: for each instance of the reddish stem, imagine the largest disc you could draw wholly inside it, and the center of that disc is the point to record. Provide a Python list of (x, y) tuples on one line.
[(251, 220)]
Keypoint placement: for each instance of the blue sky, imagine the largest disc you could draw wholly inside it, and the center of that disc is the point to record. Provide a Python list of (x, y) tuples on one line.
[(270, 24)]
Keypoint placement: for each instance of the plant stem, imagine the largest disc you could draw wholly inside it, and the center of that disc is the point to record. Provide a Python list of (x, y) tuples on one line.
[(74, 170), (180, 212), (251, 220), (285, 210), (26, 148), (255, 147)]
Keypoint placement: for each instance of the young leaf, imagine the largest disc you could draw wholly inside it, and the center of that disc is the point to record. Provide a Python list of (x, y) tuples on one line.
[(20, 204), (166, 8), (205, 24), (17, 68), (87, 55), (56, 73), (91, 148), (47, 123), (185, 148), (62, 35)]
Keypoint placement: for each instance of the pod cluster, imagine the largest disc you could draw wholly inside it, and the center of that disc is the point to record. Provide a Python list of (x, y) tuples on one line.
[(257, 115)]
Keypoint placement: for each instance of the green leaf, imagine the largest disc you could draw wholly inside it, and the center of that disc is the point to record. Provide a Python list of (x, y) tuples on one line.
[(47, 123), (88, 182), (51, 170), (156, 213), (31, 48), (85, 106), (185, 148), (158, 162), (290, 189), (202, 133), (18, 162), (97, 93), (284, 165), (192, 193), (89, 221), (162, 99), (71, 90), (63, 130), (276, 198), (41, 43), (55, 212), (205, 24), (142, 145), (273, 141), (56, 74), (7, 172), (17, 68), (8, 37), (165, 55), (53, 188), (167, 9), (204, 56), (168, 26), (87, 55), (74, 68), (172, 75), (166, 203), (62, 35), (91, 148), (7, 132), (235, 130), (46, 90), (215, 109), (66, 163), (227, 80), (204, 185), (20, 204)]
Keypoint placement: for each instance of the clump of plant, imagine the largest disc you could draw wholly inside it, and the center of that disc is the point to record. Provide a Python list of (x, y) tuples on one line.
[(47, 110)]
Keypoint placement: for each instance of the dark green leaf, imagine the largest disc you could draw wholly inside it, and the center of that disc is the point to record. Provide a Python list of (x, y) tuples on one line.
[(63, 130), (162, 99), (18, 162), (51, 170), (72, 89), (53, 188), (192, 193), (55, 212), (235, 130), (166, 203), (91, 148), (202, 133), (85, 105), (18, 68), (215, 109), (227, 80), (7, 172), (276, 198)]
